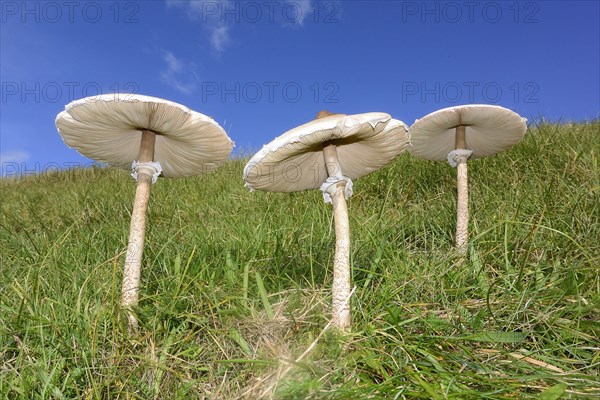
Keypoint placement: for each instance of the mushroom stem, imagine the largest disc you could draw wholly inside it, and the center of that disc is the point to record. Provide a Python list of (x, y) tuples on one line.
[(341, 263), (462, 206), (459, 138), (137, 230)]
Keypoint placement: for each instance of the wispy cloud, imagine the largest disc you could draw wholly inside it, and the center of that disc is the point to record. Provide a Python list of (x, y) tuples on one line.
[(178, 74), (217, 17), (303, 9), (14, 156), (210, 14), (219, 38)]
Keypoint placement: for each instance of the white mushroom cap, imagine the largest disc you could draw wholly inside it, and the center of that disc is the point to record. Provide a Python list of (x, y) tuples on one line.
[(294, 161), (108, 128), (489, 130)]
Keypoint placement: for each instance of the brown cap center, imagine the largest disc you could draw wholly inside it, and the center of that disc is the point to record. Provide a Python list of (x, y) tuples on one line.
[(325, 113)]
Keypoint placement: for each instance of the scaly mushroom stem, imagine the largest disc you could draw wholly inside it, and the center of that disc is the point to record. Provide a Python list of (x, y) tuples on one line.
[(341, 263), (462, 206), (137, 230)]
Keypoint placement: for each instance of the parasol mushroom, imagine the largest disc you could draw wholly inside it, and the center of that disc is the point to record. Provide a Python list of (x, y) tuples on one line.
[(458, 133), (154, 137), (328, 153)]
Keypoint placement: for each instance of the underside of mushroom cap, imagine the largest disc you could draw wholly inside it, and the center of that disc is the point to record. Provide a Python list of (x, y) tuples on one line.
[(294, 161), (108, 128), (489, 130)]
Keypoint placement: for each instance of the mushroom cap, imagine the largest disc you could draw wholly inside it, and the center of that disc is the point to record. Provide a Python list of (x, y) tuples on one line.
[(108, 128), (489, 130), (294, 161)]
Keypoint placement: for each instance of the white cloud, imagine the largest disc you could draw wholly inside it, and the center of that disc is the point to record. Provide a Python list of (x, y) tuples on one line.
[(14, 156), (210, 15), (174, 65), (178, 74), (303, 9), (217, 17), (219, 38)]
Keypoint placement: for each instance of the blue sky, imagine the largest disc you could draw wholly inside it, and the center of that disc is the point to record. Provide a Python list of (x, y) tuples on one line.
[(263, 67)]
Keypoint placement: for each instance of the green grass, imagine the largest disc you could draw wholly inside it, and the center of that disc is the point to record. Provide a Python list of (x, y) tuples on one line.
[(236, 285)]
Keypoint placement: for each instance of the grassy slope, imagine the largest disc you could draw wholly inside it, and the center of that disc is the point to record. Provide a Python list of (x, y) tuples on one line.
[(236, 284)]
